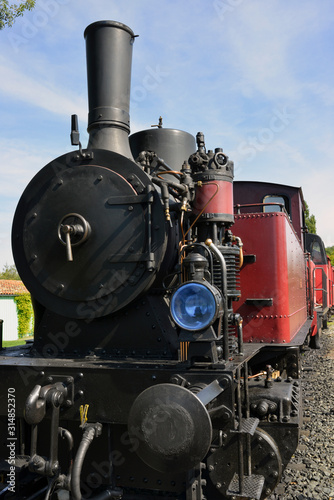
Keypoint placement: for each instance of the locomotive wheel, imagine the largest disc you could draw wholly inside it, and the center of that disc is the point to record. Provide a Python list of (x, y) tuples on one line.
[(266, 462), (324, 323), (315, 341)]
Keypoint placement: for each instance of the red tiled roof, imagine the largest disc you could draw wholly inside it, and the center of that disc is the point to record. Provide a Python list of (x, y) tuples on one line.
[(12, 287)]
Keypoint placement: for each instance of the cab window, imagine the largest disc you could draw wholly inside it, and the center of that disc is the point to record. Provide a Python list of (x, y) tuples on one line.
[(316, 247), (274, 198), (316, 253)]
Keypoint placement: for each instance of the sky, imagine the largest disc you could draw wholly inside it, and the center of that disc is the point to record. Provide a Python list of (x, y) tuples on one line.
[(256, 76)]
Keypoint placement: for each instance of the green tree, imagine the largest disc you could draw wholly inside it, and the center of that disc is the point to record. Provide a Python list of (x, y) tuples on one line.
[(310, 221), (9, 12), (330, 253), (9, 273)]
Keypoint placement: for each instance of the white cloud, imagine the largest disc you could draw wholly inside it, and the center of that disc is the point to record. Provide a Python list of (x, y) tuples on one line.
[(265, 44), (17, 85), (18, 165)]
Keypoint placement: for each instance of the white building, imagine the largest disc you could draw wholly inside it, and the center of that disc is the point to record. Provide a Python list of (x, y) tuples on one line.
[(8, 313)]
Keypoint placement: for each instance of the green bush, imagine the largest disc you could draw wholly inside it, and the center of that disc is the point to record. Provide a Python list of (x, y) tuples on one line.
[(24, 314)]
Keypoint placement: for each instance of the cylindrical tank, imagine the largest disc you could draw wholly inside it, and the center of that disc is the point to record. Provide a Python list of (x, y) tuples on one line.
[(173, 146), (109, 58), (214, 190)]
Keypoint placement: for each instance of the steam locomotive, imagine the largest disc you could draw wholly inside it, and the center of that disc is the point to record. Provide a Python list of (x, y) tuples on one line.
[(171, 309)]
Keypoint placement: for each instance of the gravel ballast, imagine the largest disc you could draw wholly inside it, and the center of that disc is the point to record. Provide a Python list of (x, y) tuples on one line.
[(310, 474)]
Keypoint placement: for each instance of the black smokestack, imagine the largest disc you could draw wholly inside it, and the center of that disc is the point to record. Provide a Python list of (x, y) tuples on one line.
[(109, 57)]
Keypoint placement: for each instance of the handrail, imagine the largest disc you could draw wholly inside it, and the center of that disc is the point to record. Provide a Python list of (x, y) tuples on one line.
[(281, 205), (324, 286), (309, 285)]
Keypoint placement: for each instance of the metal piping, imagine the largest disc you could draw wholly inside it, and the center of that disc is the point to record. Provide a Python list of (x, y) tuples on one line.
[(241, 254), (222, 262)]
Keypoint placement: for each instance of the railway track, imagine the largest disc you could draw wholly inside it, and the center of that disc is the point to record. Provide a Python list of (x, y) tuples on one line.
[(310, 474)]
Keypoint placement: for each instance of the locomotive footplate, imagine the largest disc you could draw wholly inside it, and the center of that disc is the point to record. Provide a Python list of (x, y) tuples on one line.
[(124, 380), (161, 422), (184, 398)]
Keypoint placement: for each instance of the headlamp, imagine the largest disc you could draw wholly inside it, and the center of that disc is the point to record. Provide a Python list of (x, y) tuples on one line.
[(195, 306)]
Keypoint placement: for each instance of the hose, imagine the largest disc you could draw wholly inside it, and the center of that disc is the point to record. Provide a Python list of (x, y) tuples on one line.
[(88, 436), (86, 440), (108, 494), (65, 434), (52, 484)]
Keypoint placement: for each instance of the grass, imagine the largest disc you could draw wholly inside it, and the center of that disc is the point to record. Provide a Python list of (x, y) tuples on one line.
[(11, 343)]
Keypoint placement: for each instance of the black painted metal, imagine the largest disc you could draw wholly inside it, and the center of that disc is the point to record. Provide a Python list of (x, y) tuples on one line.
[(173, 427), (174, 146), (120, 257), (109, 57)]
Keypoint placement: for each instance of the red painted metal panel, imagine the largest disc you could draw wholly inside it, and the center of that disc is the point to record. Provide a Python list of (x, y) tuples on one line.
[(214, 197), (331, 283), (246, 192), (277, 274), (324, 284)]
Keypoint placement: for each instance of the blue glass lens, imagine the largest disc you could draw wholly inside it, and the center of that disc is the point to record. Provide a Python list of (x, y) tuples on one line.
[(193, 306)]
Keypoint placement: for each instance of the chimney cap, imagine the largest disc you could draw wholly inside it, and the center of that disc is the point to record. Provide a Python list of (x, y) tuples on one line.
[(110, 24)]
